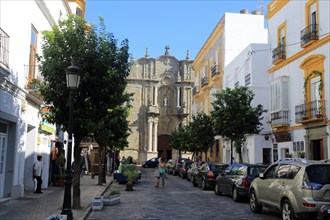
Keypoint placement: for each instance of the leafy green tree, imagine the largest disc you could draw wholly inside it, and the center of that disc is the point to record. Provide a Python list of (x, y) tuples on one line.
[(233, 116), (203, 133), (103, 69)]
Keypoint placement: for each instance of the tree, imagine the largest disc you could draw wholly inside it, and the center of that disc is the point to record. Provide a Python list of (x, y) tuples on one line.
[(103, 69), (233, 116), (202, 130)]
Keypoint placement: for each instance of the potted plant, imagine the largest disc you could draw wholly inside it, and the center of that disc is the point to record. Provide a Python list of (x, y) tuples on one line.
[(132, 176), (111, 198)]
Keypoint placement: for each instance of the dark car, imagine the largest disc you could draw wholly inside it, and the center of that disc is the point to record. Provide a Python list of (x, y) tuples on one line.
[(177, 165), (206, 174), (236, 180), (152, 163), (184, 168)]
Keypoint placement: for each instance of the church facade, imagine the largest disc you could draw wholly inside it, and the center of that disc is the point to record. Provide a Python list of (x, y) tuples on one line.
[(162, 102)]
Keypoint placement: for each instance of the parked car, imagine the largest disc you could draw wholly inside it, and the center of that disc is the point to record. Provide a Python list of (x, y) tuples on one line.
[(177, 165), (206, 175), (192, 170), (324, 213), (169, 165), (236, 180), (152, 163), (184, 168), (298, 188)]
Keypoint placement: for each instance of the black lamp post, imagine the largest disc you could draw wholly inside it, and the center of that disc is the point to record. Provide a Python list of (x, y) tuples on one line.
[(72, 80)]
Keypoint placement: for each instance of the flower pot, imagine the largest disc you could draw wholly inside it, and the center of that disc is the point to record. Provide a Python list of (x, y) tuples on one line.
[(97, 203), (111, 200)]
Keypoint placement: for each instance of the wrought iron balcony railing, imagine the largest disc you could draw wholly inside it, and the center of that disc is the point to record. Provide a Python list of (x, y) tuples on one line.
[(195, 90), (204, 81), (4, 48), (215, 70), (310, 110), (308, 34), (278, 54)]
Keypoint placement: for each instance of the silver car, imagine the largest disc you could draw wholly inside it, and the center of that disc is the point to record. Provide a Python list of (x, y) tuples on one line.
[(297, 188)]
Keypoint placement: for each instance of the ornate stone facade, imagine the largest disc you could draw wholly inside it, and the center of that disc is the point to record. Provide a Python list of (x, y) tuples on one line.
[(162, 101)]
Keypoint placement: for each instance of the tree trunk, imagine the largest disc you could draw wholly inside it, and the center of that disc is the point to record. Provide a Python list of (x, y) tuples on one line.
[(76, 175), (104, 165), (100, 181)]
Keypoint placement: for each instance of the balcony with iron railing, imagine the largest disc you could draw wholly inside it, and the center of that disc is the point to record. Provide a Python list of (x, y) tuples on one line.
[(280, 118), (308, 35), (278, 54), (4, 48), (204, 81), (195, 90), (215, 70), (310, 111)]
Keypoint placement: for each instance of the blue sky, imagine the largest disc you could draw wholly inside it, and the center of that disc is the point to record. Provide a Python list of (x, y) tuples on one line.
[(153, 24)]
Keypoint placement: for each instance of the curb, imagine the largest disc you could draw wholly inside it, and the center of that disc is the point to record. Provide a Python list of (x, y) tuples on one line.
[(89, 207)]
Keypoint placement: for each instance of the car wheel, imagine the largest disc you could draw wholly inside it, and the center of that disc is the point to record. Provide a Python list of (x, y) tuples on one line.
[(287, 211), (146, 166), (217, 190), (193, 182), (254, 205), (235, 195), (204, 185)]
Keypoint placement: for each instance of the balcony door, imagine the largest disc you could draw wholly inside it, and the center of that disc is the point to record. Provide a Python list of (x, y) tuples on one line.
[(3, 147)]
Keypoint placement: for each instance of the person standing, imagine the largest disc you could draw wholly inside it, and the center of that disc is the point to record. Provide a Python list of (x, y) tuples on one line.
[(37, 172), (162, 175)]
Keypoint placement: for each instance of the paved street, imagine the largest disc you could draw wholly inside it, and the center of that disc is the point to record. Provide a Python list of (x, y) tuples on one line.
[(178, 200)]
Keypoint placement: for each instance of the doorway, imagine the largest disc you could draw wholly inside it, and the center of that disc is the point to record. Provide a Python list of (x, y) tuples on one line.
[(316, 149), (3, 147), (164, 148)]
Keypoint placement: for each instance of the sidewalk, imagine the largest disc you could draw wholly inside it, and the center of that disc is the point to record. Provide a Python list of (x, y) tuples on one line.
[(40, 206)]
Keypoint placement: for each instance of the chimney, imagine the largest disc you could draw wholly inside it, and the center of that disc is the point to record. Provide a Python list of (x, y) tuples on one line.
[(244, 11), (256, 12)]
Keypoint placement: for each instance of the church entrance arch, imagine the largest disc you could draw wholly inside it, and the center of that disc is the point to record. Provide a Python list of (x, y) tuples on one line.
[(164, 147)]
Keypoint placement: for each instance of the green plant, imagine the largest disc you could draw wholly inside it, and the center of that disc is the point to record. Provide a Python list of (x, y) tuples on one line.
[(313, 73), (131, 175), (114, 192)]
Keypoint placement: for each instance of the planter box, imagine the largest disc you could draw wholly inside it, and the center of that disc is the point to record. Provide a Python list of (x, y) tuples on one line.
[(97, 203), (111, 200), (57, 217)]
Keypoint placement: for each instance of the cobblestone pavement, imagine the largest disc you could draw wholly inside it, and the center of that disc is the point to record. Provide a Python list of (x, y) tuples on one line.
[(178, 200), (40, 206)]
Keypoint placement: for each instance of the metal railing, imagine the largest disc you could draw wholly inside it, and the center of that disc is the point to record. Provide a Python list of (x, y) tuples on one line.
[(204, 81), (310, 110), (279, 53), (195, 90), (308, 34), (215, 70)]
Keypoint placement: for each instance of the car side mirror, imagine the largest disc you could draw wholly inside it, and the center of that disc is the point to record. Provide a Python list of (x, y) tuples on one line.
[(261, 176)]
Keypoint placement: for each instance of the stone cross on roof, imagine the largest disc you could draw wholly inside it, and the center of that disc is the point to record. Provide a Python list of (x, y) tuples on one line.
[(166, 50)]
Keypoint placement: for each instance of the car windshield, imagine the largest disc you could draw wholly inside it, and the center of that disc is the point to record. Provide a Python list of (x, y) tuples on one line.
[(319, 174), (218, 167)]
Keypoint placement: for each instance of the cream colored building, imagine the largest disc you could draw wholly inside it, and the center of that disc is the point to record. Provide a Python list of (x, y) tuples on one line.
[(299, 78), (224, 44), (162, 101)]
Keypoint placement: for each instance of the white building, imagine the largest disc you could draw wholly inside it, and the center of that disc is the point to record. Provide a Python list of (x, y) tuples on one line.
[(233, 33), (299, 78), (23, 133), (249, 69)]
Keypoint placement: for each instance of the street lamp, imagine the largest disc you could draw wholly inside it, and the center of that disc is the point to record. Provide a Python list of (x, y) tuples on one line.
[(72, 80)]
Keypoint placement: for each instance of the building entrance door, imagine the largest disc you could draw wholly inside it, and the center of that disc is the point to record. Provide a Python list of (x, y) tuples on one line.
[(3, 148), (316, 150), (164, 148)]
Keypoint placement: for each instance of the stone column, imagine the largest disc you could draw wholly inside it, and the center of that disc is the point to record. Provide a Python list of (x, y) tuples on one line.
[(150, 135), (155, 135)]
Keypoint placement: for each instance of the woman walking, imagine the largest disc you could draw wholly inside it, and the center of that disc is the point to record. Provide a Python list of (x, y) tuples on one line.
[(161, 168)]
